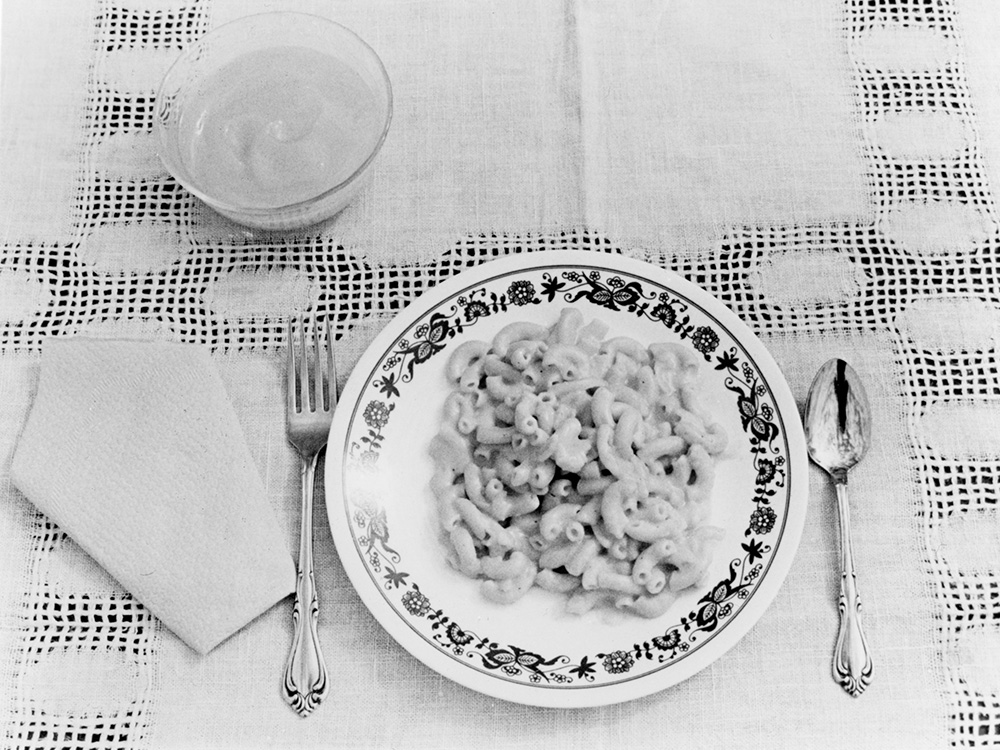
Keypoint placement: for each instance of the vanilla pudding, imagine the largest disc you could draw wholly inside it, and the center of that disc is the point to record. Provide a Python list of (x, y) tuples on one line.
[(278, 126)]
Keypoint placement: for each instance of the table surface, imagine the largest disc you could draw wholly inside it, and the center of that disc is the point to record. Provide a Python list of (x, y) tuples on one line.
[(826, 170)]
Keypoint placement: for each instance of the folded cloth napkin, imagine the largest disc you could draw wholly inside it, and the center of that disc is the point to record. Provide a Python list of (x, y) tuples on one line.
[(134, 450)]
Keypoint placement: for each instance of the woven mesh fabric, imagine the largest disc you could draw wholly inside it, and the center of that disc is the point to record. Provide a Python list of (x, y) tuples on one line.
[(922, 272)]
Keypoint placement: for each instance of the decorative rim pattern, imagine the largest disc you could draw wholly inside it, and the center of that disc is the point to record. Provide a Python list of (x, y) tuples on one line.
[(590, 283)]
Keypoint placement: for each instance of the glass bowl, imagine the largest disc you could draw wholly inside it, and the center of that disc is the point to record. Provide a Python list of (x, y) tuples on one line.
[(274, 119)]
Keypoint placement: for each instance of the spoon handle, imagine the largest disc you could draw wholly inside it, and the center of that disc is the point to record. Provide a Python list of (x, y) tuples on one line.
[(852, 664)]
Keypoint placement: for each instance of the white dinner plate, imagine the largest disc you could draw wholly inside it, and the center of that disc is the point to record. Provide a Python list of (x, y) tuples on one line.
[(383, 517)]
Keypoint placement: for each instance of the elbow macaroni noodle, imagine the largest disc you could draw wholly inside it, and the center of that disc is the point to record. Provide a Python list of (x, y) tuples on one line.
[(580, 465)]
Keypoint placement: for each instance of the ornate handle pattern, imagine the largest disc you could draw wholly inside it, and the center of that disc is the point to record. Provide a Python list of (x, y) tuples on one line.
[(852, 663), (305, 682)]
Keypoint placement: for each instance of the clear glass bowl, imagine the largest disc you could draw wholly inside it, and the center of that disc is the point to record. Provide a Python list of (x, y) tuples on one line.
[(274, 119)]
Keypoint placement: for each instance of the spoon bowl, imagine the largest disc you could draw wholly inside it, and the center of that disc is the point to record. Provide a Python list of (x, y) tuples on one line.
[(837, 418)]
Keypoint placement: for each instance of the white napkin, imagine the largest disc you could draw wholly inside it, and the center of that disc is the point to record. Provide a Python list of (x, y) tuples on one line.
[(134, 450)]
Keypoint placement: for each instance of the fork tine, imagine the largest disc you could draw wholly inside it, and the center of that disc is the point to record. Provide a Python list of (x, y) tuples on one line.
[(318, 389), (331, 367), (290, 375), (303, 366)]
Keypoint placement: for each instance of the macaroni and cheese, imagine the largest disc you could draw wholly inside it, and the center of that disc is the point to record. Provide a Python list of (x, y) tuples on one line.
[(576, 463)]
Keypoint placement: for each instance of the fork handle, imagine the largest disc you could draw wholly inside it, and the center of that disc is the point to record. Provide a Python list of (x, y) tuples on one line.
[(305, 682)]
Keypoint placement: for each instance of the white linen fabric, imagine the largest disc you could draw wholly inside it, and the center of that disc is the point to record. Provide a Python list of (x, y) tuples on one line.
[(695, 119), (827, 173)]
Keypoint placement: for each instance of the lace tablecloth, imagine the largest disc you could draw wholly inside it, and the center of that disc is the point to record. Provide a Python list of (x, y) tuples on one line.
[(826, 169)]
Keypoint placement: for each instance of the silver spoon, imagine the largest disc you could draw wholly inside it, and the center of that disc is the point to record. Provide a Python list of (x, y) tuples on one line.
[(838, 433)]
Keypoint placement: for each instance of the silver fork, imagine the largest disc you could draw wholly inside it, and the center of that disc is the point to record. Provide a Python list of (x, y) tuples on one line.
[(308, 415)]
